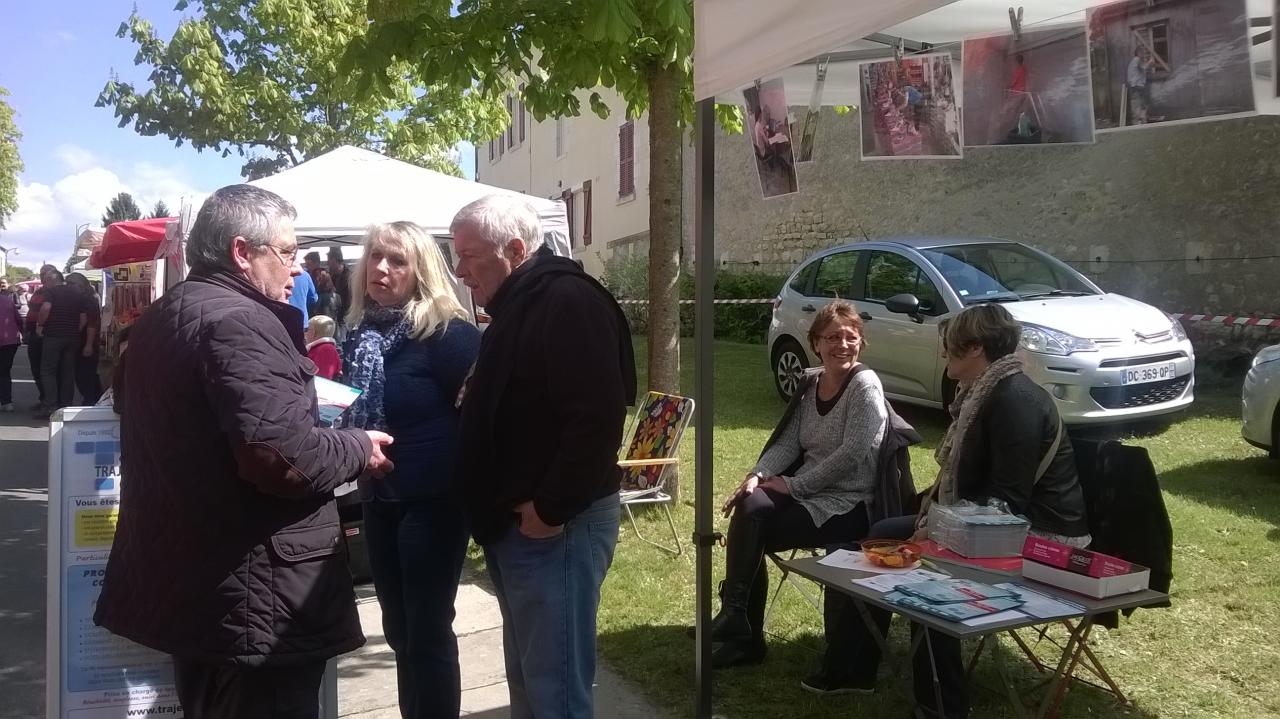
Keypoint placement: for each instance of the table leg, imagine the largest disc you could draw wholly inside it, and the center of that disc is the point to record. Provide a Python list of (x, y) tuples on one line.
[(1040, 667), (1066, 665), (1096, 667), (1014, 699), (977, 654), (933, 669)]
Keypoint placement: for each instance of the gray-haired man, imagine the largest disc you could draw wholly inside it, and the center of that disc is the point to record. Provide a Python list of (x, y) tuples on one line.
[(541, 424), (228, 550)]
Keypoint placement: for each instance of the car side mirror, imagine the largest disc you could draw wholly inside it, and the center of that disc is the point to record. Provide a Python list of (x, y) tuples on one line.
[(905, 304)]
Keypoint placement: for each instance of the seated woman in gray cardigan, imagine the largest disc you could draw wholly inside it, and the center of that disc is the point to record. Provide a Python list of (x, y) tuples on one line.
[(811, 486)]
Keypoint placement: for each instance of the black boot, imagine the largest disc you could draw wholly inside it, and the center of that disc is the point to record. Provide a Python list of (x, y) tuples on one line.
[(742, 630)]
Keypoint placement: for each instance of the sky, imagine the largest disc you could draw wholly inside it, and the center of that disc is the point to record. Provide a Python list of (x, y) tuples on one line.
[(55, 57)]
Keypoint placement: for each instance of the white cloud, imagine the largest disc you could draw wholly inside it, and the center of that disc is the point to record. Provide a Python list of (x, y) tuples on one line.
[(74, 158), (44, 227)]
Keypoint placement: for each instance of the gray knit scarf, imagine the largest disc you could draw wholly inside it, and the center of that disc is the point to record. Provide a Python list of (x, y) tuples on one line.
[(971, 397)]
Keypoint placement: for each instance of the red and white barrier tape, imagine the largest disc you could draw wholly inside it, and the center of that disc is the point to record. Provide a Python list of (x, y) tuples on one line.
[(717, 302), (1229, 320)]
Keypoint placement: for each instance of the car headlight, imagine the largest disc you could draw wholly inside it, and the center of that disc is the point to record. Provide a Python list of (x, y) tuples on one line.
[(1179, 333), (1052, 342), (1266, 354)]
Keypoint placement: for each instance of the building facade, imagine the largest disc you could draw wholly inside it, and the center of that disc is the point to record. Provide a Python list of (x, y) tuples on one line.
[(599, 167)]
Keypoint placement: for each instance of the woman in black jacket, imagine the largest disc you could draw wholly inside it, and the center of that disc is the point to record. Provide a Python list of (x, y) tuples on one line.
[(409, 352), (1006, 442)]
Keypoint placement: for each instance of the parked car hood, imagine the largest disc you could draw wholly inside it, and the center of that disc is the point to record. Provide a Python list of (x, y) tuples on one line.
[(1106, 316)]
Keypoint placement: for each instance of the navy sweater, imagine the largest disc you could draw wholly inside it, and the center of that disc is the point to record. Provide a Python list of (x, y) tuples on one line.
[(423, 378)]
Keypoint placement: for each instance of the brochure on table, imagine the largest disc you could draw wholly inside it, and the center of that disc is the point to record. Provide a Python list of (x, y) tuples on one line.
[(91, 673)]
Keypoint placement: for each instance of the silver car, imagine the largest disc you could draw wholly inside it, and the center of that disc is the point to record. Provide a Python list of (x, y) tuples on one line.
[(1103, 357), (1259, 400)]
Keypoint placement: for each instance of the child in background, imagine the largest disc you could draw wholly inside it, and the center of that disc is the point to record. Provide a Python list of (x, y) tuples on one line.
[(321, 347)]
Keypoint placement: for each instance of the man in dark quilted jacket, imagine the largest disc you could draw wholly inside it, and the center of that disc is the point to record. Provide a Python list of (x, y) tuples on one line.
[(228, 552)]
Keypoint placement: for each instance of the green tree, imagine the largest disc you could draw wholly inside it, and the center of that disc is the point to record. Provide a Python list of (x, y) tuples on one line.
[(17, 273), (261, 77), (561, 50), (10, 160), (121, 208), (160, 210)]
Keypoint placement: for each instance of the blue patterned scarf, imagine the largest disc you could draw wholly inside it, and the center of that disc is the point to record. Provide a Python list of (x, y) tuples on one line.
[(382, 331)]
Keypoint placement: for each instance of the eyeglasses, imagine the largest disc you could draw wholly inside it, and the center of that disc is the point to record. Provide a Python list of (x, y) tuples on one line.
[(286, 257), (837, 339)]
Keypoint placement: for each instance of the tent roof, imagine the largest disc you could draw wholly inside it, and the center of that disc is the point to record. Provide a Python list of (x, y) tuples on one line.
[(739, 41), (341, 192), (132, 241)]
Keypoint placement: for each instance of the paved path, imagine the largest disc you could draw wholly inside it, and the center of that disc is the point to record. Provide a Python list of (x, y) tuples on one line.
[(367, 678)]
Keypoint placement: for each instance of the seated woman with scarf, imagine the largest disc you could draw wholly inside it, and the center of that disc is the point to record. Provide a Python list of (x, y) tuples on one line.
[(1006, 442), (813, 484)]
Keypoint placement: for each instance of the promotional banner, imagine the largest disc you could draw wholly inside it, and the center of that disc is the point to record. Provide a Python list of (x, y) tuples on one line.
[(92, 674)]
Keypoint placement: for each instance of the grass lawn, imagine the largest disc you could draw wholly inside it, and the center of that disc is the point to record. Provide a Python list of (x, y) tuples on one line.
[(1212, 654)]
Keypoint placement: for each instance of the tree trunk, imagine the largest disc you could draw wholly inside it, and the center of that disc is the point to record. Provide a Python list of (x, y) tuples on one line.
[(664, 235)]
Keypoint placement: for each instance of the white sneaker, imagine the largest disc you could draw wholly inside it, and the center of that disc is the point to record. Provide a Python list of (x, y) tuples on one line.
[(8, 408)]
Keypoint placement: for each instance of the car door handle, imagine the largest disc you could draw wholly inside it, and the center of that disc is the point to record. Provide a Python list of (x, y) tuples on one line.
[(808, 308), (866, 316)]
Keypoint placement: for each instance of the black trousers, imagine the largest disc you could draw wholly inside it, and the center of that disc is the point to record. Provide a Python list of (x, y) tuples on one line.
[(416, 550), (7, 354), (58, 370), (854, 652), (765, 521), (35, 354), (87, 379), (227, 691)]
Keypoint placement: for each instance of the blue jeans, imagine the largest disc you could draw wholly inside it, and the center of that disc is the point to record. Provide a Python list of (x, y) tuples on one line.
[(416, 551), (548, 591)]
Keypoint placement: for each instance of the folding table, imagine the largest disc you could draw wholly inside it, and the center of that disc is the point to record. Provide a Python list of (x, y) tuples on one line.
[(841, 580)]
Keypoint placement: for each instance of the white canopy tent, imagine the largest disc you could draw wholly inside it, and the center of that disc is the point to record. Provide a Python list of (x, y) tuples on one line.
[(341, 192), (738, 42)]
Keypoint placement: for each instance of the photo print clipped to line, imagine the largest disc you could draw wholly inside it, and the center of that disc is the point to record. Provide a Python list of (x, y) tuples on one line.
[(1175, 61), (809, 128), (909, 108), (769, 136), (1028, 89)]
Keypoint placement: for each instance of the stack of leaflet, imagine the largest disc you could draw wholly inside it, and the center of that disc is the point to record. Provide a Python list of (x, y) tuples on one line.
[(956, 600)]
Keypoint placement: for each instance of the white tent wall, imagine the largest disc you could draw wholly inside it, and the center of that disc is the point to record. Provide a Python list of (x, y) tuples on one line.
[(341, 192)]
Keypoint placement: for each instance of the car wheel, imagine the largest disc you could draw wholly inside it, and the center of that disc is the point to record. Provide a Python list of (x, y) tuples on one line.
[(789, 363)]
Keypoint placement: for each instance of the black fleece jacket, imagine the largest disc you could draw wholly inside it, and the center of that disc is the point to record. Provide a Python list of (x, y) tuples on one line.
[(543, 411)]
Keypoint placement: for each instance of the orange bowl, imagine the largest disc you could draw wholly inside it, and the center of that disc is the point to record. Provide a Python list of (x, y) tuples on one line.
[(891, 553)]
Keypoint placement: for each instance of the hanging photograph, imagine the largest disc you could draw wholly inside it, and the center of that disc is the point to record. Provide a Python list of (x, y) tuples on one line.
[(770, 131), (1029, 89), (1160, 61), (809, 133), (909, 108)]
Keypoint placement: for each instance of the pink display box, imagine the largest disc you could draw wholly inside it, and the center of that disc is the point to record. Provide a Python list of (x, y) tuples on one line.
[(1071, 559)]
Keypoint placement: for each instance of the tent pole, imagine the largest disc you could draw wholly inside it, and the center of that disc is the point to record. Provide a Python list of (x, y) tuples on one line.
[(704, 390)]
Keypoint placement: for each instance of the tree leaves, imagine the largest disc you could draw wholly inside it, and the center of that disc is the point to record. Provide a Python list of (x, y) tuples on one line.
[(279, 81), (611, 20), (10, 160), (121, 208)]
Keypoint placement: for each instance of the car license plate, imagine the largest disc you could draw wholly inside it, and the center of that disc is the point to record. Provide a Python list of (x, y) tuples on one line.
[(1149, 373)]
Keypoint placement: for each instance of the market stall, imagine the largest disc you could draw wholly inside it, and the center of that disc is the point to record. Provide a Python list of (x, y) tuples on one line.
[(132, 276), (928, 89)]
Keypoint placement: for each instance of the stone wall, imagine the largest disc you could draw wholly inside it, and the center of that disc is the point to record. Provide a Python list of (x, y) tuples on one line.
[(1186, 217)]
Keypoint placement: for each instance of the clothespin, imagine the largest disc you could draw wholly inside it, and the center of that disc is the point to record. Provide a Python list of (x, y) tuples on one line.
[(1015, 22)]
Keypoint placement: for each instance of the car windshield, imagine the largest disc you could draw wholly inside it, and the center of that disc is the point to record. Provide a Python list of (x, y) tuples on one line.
[(1005, 273)]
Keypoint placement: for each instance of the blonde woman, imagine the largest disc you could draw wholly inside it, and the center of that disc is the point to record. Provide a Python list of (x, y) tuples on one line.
[(409, 350)]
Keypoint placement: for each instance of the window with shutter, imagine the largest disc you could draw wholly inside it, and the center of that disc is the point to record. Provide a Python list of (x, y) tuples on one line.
[(493, 153), (567, 198), (521, 113), (626, 159), (511, 119), (586, 213), (561, 130)]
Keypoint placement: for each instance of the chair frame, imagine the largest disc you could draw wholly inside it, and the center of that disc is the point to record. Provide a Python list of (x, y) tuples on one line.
[(786, 577), (654, 494)]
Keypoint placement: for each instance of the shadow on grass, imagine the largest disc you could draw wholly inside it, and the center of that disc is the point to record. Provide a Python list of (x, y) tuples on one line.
[(661, 660), (1246, 487)]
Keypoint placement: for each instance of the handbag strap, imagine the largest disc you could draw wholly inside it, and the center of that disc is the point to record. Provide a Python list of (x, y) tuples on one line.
[(1053, 452)]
